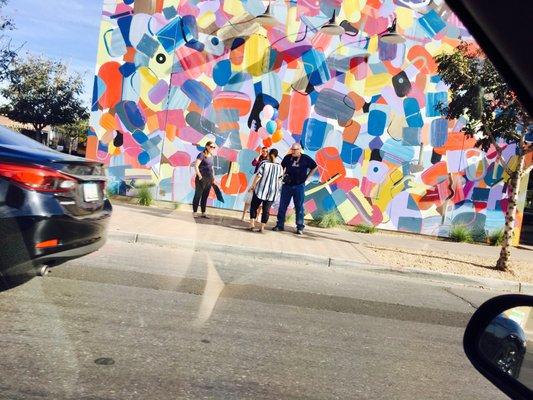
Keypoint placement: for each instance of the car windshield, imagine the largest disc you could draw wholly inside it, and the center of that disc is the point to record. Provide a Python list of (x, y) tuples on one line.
[(286, 199)]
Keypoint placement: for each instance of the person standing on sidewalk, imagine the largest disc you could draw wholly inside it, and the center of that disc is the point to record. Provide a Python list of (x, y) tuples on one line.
[(256, 162), (298, 168), (265, 188), (205, 177)]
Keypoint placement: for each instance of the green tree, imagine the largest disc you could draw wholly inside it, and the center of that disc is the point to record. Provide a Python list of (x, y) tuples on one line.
[(493, 116), (7, 52), (74, 133), (42, 92)]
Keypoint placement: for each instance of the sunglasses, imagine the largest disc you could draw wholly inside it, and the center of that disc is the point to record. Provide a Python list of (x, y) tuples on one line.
[(212, 147)]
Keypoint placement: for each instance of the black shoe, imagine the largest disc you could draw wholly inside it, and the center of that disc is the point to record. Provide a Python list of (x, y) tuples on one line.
[(277, 229), (299, 232)]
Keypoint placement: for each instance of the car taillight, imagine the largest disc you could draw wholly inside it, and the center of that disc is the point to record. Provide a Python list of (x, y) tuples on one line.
[(37, 178)]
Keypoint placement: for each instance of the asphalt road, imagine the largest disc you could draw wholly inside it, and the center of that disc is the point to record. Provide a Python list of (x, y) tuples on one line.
[(140, 321)]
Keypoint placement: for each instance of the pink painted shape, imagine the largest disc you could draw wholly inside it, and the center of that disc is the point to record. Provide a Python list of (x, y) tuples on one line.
[(310, 206), (180, 159), (189, 135), (228, 154)]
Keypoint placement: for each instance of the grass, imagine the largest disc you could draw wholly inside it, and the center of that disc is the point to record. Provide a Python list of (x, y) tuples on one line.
[(460, 233), (363, 228), (496, 238), (479, 235), (145, 195), (329, 220)]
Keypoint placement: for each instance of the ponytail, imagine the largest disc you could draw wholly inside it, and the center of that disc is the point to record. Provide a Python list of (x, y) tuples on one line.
[(272, 155)]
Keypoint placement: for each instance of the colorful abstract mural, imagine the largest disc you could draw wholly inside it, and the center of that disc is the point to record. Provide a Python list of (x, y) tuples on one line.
[(173, 74)]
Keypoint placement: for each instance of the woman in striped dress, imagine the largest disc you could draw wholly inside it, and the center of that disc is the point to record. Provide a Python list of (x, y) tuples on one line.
[(265, 188)]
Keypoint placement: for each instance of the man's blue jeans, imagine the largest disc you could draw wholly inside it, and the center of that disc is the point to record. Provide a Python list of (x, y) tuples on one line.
[(295, 193)]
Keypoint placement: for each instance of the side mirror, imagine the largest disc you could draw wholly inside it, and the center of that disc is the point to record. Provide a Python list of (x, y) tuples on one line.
[(499, 343)]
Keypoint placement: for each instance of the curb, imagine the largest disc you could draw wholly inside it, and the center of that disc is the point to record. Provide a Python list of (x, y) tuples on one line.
[(487, 283)]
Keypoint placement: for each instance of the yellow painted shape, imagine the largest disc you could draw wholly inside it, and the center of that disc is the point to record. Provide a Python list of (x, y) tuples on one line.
[(396, 127), (352, 10), (135, 172), (392, 186), (362, 200), (375, 83), (233, 7), (404, 17), (206, 19), (161, 71), (147, 82), (292, 25), (257, 54), (347, 210), (103, 56), (373, 44), (354, 85), (166, 171)]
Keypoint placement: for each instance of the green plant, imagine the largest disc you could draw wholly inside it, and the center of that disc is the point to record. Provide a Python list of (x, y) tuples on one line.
[(461, 233), (479, 235), (496, 238), (364, 228), (145, 195), (329, 220)]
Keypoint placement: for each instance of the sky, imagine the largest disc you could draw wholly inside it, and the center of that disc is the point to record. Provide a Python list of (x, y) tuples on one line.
[(59, 29)]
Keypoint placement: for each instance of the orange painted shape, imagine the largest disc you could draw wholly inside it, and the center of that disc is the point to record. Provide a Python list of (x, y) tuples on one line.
[(351, 131), (108, 122), (234, 183), (92, 147), (236, 55), (423, 61), (233, 100), (299, 111), (129, 57), (110, 74), (284, 107), (329, 163), (435, 174), (456, 141)]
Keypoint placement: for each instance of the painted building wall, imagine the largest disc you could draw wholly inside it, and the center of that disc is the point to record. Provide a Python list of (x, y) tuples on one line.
[(173, 74)]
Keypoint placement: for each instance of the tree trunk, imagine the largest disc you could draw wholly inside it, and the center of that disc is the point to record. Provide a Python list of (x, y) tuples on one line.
[(514, 185)]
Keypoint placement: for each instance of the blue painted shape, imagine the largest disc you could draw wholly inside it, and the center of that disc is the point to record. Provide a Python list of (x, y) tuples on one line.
[(350, 153), (139, 136), (439, 132), (480, 194), (99, 87), (190, 29), (258, 88), (130, 115), (435, 79), (376, 122), (195, 45), (412, 112), (222, 72), (314, 133), (197, 92), (147, 45), (315, 67), (411, 204), (433, 100), (170, 36), (432, 23), (411, 136), (338, 196), (410, 224), (143, 158), (124, 24), (127, 69), (169, 12), (394, 152)]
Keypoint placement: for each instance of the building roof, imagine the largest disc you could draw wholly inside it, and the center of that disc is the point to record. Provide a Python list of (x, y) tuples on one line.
[(17, 125)]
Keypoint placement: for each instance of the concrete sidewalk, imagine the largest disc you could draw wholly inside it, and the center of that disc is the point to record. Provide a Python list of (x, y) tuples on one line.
[(224, 230)]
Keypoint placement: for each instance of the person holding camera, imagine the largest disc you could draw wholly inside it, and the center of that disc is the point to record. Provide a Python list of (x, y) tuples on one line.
[(298, 168)]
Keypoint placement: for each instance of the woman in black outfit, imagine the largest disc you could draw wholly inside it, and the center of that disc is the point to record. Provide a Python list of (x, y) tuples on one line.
[(205, 176)]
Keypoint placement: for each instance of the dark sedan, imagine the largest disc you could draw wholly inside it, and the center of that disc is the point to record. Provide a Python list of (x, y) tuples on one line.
[(53, 207), (504, 344)]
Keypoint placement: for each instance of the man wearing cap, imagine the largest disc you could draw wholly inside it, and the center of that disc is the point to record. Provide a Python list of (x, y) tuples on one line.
[(298, 168)]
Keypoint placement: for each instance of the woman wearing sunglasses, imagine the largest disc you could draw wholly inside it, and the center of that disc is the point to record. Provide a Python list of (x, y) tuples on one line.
[(205, 177)]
